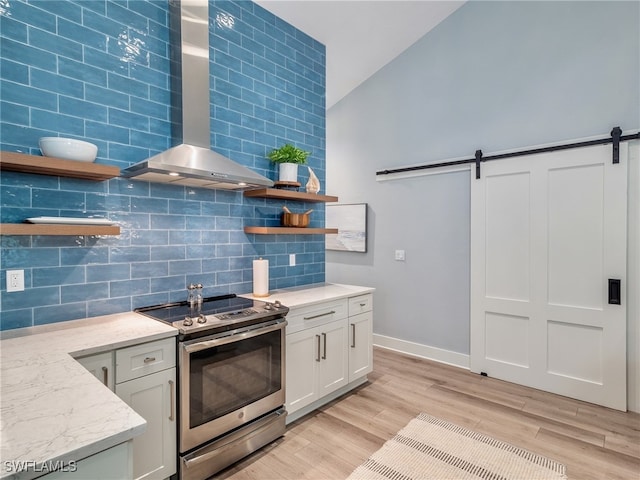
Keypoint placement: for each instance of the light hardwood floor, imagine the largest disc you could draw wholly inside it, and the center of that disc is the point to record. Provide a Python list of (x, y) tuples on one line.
[(593, 442)]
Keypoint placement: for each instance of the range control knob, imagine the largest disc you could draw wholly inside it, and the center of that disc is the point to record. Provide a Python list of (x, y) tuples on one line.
[(202, 319), (277, 304), (268, 307), (188, 321)]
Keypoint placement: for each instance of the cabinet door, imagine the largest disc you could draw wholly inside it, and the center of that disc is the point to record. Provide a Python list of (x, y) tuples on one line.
[(100, 366), (153, 398), (360, 345), (303, 359), (111, 464), (334, 357)]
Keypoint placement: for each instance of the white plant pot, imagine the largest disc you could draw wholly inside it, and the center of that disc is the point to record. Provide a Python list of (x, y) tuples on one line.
[(288, 172)]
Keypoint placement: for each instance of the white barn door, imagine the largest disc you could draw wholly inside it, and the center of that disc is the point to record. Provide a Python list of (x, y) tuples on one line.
[(548, 231)]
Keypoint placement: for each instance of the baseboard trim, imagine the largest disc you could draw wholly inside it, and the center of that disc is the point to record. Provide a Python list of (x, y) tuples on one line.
[(423, 351)]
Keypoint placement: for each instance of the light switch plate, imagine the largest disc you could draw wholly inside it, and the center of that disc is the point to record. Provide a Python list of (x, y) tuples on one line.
[(292, 259), (400, 255)]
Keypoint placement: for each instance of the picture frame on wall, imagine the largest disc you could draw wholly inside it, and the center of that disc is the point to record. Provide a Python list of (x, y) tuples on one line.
[(351, 221)]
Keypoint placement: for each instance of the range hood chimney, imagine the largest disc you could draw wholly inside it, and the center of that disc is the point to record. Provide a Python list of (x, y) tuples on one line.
[(191, 161)]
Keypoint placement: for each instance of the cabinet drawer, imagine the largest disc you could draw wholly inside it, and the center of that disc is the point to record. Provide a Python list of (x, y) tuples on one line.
[(139, 360), (360, 304), (313, 315)]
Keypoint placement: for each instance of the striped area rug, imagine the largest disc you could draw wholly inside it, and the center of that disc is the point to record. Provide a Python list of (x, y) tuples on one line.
[(430, 448)]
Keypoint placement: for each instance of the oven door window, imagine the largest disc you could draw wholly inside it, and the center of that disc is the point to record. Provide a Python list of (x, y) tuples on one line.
[(228, 377)]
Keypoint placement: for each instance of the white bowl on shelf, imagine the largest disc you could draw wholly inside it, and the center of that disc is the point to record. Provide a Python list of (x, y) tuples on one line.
[(68, 148)]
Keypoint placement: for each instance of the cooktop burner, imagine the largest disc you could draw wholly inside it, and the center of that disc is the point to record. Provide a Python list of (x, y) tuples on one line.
[(219, 314)]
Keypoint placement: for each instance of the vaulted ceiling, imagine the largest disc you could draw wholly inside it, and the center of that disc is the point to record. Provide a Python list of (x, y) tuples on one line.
[(360, 36)]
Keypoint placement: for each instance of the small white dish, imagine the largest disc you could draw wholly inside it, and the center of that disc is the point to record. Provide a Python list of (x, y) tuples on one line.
[(71, 220), (68, 148)]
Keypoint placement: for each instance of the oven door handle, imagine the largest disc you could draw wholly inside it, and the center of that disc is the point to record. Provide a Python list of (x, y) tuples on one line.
[(216, 342)]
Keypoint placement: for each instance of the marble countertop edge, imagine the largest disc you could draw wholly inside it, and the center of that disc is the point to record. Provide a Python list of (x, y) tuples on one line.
[(75, 455), (83, 352), (307, 295), (53, 409)]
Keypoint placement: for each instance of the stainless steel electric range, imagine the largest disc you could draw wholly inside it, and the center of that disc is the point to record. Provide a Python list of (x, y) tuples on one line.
[(231, 378)]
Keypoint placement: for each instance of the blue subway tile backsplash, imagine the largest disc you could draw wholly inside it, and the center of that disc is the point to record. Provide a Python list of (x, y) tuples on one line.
[(99, 71)]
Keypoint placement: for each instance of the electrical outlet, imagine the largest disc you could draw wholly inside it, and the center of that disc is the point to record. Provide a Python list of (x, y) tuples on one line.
[(292, 259), (15, 280), (400, 255)]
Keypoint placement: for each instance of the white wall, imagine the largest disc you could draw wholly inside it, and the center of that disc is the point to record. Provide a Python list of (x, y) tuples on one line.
[(493, 76)]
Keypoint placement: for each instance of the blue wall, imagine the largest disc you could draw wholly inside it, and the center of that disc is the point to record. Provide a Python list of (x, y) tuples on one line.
[(98, 71)]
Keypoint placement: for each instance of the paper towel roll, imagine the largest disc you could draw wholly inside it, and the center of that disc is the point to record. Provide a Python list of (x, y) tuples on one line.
[(261, 278)]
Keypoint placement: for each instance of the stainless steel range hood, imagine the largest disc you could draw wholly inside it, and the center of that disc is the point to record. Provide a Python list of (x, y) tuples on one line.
[(191, 161)]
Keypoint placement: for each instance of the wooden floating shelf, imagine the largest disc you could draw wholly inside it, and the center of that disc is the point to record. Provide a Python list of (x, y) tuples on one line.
[(56, 229), (288, 195), (285, 184), (289, 231), (21, 162), (275, 193)]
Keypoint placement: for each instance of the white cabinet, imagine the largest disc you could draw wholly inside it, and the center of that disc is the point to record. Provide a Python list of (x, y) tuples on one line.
[(101, 366), (111, 464), (301, 370), (329, 351), (146, 381), (360, 336), (360, 346), (334, 359), (153, 398), (144, 376), (317, 363), (360, 304), (144, 359)]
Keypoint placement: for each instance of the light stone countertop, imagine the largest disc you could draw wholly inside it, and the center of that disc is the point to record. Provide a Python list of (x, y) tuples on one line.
[(312, 294), (51, 408)]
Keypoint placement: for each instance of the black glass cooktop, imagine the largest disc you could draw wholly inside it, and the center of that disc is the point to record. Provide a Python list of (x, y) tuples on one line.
[(218, 314), (171, 312)]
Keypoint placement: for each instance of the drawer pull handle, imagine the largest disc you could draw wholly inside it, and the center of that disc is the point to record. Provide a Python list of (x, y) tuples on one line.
[(324, 351), (363, 304), (320, 315), (318, 348), (105, 376), (172, 392), (149, 359)]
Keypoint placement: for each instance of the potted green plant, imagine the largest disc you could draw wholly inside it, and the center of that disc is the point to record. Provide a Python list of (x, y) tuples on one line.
[(288, 157)]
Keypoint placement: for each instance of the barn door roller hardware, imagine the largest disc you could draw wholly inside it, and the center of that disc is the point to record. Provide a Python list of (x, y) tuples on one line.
[(478, 160), (615, 139)]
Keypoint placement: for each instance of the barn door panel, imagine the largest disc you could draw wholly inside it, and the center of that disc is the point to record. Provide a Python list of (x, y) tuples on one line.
[(548, 232)]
